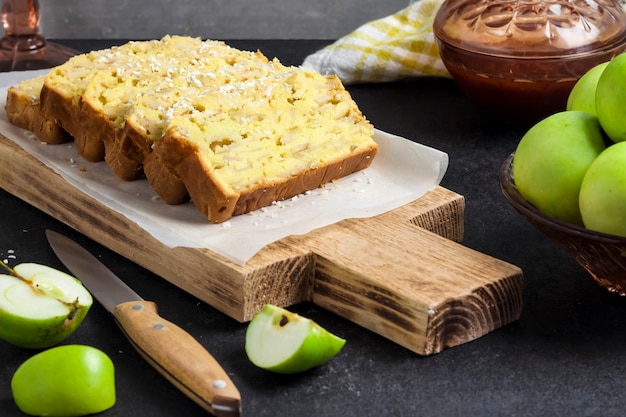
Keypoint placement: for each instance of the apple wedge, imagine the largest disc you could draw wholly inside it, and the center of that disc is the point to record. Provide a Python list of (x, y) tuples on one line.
[(40, 306), (280, 341)]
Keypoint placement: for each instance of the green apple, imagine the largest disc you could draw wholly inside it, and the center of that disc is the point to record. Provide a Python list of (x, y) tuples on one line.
[(551, 160), (583, 95), (40, 306), (603, 192), (280, 341), (610, 99), (64, 381)]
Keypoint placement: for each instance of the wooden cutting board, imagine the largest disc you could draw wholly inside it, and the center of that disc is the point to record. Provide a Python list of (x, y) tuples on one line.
[(402, 274)]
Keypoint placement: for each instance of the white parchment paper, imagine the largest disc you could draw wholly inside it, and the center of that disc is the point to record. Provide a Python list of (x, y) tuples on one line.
[(401, 172)]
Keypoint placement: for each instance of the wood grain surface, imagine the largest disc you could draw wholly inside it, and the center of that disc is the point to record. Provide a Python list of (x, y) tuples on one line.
[(403, 274), (179, 357)]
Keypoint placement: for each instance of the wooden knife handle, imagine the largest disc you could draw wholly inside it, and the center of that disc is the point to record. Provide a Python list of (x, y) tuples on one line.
[(178, 357)]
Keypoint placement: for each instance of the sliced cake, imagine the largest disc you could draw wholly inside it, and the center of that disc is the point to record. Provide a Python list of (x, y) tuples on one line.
[(229, 129), (146, 121), (249, 144), (142, 107), (65, 84)]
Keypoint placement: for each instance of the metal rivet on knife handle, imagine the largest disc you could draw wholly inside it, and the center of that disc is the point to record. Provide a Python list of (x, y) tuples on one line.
[(219, 383)]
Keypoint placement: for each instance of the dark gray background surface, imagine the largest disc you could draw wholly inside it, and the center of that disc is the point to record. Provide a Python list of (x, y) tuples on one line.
[(217, 19)]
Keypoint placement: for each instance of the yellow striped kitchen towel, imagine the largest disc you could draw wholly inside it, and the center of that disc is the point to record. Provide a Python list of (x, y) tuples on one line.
[(395, 47)]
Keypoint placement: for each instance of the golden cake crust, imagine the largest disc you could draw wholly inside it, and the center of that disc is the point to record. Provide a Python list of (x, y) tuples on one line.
[(219, 204), (165, 181), (23, 110)]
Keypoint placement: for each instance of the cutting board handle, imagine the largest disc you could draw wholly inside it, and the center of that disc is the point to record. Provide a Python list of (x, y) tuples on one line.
[(421, 290)]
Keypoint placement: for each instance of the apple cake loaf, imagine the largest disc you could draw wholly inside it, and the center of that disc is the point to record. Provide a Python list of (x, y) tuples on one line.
[(246, 145), (228, 129), (23, 109)]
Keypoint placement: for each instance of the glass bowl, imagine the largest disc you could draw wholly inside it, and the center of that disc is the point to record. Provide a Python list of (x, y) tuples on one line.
[(521, 58), (602, 255)]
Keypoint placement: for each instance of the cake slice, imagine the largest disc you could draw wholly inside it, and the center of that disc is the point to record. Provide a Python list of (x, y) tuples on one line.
[(23, 110), (144, 99), (249, 144), (65, 84), (111, 93), (146, 121)]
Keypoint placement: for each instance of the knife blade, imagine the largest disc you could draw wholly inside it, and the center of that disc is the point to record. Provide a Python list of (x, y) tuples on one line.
[(172, 351)]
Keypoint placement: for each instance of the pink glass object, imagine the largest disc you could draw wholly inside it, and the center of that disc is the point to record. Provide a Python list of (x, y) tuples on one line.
[(23, 47)]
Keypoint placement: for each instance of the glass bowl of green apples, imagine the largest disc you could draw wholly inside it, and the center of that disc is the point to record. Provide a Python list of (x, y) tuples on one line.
[(567, 176), (602, 255)]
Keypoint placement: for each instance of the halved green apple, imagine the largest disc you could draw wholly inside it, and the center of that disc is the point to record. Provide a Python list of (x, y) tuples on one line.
[(280, 341), (40, 306)]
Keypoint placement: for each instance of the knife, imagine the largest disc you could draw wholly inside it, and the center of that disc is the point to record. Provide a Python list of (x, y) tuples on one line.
[(169, 349)]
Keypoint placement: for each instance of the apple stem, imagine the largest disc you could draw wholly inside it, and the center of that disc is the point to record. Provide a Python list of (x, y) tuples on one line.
[(10, 270), (283, 321)]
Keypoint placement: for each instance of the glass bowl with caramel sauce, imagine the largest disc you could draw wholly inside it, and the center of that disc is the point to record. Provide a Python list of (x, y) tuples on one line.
[(521, 58)]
